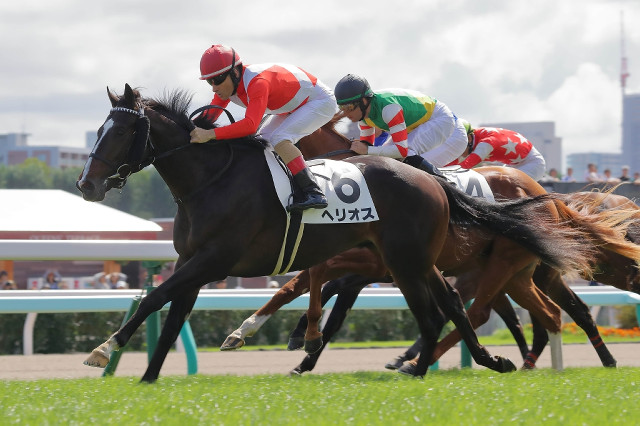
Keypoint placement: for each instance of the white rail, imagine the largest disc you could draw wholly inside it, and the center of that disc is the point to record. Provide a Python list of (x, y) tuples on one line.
[(161, 250), (32, 302)]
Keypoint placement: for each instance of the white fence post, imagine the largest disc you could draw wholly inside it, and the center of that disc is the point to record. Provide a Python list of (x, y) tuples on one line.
[(27, 333)]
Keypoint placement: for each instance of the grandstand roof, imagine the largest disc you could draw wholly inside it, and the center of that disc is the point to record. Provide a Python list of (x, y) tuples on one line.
[(56, 214)]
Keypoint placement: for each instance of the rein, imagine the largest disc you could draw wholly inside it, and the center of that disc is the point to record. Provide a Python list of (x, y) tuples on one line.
[(330, 154), (208, 107), (182, 200)]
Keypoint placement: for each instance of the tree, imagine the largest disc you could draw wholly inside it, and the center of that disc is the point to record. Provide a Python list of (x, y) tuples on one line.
[(145, 194), (65, 179), (31, 174)]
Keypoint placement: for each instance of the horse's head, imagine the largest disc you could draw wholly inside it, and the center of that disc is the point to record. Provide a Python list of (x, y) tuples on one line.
[(120, 149)]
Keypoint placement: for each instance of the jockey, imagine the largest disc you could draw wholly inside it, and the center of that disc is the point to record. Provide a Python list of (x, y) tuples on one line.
[(297, 103), (503, 146), (421, 127)]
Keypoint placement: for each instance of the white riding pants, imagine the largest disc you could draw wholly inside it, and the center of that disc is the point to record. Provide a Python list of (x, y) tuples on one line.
[(319, 109), (440, 140), (533, 164)]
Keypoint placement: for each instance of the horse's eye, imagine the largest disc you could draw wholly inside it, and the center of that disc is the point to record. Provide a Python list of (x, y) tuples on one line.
[(120, 131)]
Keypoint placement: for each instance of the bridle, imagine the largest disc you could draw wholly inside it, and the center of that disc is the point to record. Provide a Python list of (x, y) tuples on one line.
[(137, 160), (138, 148)]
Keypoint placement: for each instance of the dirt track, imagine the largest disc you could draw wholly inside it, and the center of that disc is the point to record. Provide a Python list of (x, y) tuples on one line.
[(18, 367)]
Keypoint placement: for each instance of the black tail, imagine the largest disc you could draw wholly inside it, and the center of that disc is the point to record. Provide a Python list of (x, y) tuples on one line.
[(523, 221)]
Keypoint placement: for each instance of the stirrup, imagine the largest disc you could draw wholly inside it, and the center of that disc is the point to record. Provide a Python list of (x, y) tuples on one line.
[(312, 202)]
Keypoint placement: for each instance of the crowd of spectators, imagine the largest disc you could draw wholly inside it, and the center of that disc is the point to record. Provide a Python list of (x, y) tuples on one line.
[(592, 175)]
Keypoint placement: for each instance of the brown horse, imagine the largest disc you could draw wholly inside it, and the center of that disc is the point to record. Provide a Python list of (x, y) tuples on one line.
[(611, 268), (497, 266), (230, 222)]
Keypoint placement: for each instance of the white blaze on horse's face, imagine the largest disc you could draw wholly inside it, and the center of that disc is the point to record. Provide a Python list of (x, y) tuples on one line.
[(105, 128)]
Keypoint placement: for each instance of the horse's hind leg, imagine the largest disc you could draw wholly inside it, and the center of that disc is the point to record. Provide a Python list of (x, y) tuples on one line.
[(506, 260), (333, 268), (551, 283), (425, 309), (478, 313), (178, 312), (297, 286), (452, 305), (343, 287), (540, 340), (408, 355), (345, 300), (313, 336), (503, 307)]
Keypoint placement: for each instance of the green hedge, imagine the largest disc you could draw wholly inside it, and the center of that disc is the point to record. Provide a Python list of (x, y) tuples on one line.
[(82, 332)]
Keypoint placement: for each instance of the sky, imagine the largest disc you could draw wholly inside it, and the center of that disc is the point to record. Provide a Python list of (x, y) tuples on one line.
[(488, 60)]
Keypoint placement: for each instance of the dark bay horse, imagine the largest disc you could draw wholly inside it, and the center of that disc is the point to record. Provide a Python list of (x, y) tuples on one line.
[(230, 222), (509, 267)]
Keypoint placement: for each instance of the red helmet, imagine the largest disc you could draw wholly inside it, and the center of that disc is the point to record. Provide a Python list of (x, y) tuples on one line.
[(216, 60)]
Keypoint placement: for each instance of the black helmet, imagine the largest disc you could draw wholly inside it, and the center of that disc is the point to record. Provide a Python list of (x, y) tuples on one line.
[(352, 88)]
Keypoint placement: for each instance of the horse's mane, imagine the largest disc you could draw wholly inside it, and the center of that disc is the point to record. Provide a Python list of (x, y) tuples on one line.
[(175, 106)]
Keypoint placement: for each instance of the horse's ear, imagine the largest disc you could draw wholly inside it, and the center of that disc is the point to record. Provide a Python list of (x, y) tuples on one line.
[(129, 95), (112, 97)]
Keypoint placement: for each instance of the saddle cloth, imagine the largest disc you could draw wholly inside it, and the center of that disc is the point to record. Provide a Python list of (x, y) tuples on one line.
[(468, 181), (342, 183)]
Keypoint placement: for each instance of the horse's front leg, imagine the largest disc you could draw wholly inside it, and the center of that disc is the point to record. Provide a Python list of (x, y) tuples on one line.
[(178, 313), (297, 286), (192, 275), (313, 336)]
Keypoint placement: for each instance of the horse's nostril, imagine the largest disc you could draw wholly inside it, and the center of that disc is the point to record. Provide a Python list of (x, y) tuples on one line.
[(84, 185)]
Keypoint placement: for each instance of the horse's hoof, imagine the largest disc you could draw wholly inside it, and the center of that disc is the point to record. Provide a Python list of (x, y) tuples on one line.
[(295, 343), (613, 364), (505, 365), (231, 343), (97, 358), (395, 363), (313, 346), (296, 372), (408, 369)]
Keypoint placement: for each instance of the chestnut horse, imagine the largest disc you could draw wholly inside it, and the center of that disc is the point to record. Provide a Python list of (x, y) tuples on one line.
[(231, 222), (500, 265), (611, 268)]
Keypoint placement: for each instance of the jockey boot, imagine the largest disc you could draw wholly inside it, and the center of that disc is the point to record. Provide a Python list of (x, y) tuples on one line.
[(420, 163), (311, 196)]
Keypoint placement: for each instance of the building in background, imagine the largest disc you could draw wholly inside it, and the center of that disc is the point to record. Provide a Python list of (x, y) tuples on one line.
[(542, 134), (630, 132), (15, 150), (603, 160), (90, 139)]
